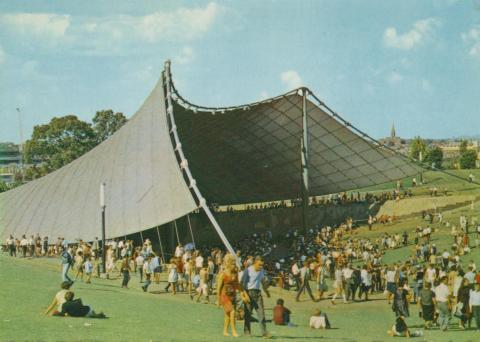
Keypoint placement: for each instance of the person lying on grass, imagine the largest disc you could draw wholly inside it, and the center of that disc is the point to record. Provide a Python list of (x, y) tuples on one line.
[(400, 329), (75, 308)]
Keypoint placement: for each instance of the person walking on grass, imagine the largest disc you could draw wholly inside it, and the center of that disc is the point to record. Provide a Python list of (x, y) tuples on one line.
[(427, 304), (202, 289), (474, 304), (11, 246), (147, 270), (139, 260), (366, 281), (444, 303), (227, 287), (125, 271), (253, 279), (78, 265), (172, 275), (67, 262), (462, 309), (88, 268), (339, 286), (320, 280), (24, 245), (305, 276)]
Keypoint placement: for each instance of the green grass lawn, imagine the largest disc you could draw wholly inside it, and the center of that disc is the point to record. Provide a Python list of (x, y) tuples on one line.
[(27, 287)]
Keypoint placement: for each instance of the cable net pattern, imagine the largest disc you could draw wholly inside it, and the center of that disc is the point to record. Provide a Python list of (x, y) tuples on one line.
[(253, 153)]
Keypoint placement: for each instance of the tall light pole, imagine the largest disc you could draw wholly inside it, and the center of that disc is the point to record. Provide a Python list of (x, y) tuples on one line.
[(104, 245), (20, 130)]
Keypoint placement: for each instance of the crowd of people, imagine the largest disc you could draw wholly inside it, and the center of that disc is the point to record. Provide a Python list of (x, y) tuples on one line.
[(305, 262)]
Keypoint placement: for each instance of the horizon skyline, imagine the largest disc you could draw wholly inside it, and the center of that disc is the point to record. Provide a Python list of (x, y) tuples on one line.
[(63, 58)]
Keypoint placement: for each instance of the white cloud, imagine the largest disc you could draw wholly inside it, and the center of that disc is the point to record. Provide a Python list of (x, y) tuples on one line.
[(112, 34), (291, 79), (186, 56), (421, 29), (263, 95), (47, 25), (394, 77), (182, 24), (472, 38), (427, 86)]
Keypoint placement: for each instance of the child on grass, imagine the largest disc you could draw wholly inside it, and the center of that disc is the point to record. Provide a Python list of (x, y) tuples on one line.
[(88, 267), (319, 320), (281, 315)]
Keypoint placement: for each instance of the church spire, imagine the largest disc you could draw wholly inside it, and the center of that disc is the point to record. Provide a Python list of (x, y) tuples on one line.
[(393, 133)]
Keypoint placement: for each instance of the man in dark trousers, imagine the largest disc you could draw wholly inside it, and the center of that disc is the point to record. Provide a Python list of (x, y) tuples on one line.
[(305, 277), (253, 280)]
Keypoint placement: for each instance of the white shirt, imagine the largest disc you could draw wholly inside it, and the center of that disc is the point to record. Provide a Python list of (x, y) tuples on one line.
[(295, 269), (139, 260), (24, 242), (199, 261), (317, 322), (442, 293), (347, 273), (431, 273), (390, 276), (474, 298), (366, 278)]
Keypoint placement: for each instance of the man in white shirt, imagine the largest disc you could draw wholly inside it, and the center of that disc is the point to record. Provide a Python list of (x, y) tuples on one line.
[(443, 298), (198, 263), (296, 275), (24, 245), (139, 260), (474, 304), (347, 275), (253, 280), (305, 276), (430, 274), (11, 246), (470, 275)]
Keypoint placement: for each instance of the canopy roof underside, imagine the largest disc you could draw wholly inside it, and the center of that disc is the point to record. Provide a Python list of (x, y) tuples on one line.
[(253, 153)]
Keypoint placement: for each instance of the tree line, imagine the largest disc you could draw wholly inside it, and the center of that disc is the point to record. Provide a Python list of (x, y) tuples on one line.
[(433, 156), (63, 140)]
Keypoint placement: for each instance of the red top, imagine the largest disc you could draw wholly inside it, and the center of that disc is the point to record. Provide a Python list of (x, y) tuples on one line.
[(278, 314)]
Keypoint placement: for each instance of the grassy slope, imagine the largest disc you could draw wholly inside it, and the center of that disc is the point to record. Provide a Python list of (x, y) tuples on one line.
[(27, 287)]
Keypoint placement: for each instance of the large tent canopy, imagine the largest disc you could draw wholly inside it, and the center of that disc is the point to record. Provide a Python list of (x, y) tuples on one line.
[(173, 157)]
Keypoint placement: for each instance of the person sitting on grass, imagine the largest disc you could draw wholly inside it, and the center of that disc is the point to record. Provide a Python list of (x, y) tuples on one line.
[(319, 320), (400, 329), (281, 315), (75, 308), (59, 298)]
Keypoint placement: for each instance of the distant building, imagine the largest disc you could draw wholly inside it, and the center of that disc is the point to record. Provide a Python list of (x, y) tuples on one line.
[(10, 161), (394, 142), (451, 148)]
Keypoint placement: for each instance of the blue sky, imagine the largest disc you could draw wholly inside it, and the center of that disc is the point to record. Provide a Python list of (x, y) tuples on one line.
[(416, 63)]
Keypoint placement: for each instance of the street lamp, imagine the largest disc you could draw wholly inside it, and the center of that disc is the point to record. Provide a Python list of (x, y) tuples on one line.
[(104, 247)]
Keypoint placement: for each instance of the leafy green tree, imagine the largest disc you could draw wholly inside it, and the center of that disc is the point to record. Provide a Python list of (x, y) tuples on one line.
[(3, 186), (417, 146), (434, 157), (468, 159), (60, 142), (463, 146), (106, 122)]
